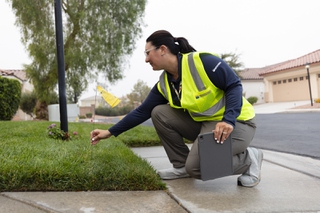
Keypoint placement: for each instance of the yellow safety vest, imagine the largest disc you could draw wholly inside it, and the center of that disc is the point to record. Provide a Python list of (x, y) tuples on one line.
[(203, 100)]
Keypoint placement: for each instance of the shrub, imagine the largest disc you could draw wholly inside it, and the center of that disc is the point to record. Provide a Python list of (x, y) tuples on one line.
[(89, 115), (82, 116), (252, 100), (28, 102), (10, 94)]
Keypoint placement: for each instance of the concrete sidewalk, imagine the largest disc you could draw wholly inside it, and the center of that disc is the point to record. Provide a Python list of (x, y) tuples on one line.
[(284, 107), (289, 184)]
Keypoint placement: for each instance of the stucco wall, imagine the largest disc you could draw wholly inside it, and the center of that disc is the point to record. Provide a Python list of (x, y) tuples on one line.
[(254, 88)]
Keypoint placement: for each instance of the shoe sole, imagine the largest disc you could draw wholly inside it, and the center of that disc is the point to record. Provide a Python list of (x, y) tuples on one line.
[(175, 177)]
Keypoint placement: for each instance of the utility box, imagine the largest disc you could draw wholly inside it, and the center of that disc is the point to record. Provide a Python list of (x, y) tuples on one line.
[(72, 111)]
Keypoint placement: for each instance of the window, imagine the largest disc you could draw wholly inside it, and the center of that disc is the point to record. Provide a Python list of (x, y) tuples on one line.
[(284, 81), (274, 83), (301, 78), (306, 77), (279, 82), (289, 80), (295, 79)]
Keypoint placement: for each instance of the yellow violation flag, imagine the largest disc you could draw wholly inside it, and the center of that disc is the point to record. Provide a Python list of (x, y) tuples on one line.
[(108, 97)]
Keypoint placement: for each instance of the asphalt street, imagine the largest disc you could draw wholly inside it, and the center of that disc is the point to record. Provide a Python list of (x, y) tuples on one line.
[(295, 133)]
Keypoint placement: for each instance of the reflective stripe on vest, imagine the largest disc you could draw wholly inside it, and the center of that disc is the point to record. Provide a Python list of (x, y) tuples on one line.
[(195, 74), (162, 85), (197, 80)]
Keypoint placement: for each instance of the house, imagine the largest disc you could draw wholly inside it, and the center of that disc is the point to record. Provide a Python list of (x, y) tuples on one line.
[(253, 83), (26, 86), (100, 102), (289, 80), (284, 81), (88, 105), (93, 100)]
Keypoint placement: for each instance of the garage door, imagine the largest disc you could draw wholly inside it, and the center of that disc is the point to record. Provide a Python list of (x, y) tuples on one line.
[(292, 89)]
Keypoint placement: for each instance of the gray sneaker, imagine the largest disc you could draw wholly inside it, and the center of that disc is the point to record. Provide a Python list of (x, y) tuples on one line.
[(173, 173), (252, 176)]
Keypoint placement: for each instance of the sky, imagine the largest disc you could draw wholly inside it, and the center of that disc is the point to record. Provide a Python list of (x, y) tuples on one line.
[(262, 32)]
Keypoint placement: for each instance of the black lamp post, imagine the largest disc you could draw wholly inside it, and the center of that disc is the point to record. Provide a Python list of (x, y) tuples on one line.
[(307, 67), (61, 68)]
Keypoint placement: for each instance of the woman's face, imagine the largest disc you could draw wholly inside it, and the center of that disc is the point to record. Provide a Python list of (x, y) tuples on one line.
[(153, 56)]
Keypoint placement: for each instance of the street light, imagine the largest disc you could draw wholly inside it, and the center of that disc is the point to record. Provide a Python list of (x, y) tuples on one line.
[(307, 67)]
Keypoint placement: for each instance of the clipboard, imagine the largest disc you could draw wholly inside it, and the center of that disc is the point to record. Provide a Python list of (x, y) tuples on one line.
[(216, 160)]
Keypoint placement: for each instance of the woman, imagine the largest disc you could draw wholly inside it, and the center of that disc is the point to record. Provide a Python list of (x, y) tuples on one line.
[(196, 93)]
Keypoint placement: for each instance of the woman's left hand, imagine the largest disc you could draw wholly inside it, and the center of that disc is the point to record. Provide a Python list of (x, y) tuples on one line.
[(222, 131)]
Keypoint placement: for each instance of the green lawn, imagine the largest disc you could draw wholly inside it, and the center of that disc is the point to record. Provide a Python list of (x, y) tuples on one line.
[(32, 161)]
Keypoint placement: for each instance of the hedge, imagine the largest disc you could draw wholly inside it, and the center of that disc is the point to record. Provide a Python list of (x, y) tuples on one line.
[(10, 94)]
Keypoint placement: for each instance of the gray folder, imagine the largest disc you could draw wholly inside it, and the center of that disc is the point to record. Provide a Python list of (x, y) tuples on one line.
[(215, 159)]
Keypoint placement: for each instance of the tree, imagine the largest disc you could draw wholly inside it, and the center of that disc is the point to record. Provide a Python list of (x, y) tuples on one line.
[(41, 109), (10, 94), (28, 102), (232, 59), (77, 85), (139, 93), (99, 37)]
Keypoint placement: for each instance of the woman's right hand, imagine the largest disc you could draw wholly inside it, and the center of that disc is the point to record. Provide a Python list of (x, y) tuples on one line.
[(98, 134)]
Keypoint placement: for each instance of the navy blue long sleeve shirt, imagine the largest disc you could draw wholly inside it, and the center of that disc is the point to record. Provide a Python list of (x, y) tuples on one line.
[(220, 74)]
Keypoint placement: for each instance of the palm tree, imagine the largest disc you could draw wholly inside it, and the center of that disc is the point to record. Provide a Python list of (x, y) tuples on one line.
[(232, 59)]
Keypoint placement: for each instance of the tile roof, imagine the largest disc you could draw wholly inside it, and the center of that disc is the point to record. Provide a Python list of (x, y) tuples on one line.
[(20, 74), (254, 73), (313, 57), (257, 73), (251, 74)]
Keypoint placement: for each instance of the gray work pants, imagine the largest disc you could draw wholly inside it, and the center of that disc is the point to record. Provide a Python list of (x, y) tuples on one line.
[(173, 125)]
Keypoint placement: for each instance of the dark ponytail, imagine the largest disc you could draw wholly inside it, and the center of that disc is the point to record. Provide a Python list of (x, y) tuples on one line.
[(174, 44)]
